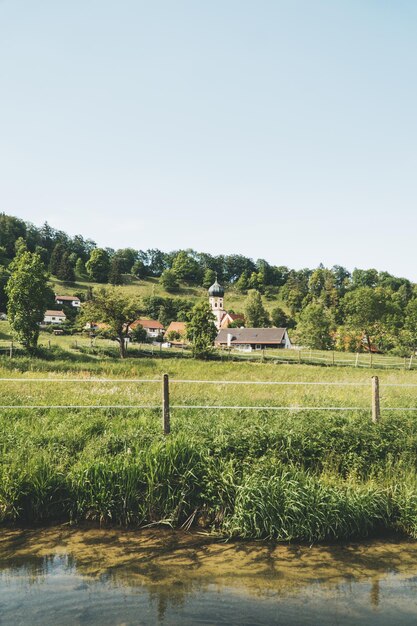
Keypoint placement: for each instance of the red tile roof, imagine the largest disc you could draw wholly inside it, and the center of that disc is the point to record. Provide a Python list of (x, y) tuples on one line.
[(147, 324)]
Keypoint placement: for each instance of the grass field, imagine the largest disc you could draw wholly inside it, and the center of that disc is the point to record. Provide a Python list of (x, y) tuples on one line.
[(289, 474)]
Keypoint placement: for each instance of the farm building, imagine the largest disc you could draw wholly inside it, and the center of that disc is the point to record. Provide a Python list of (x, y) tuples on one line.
[(54, 317), (70, 300), (154, 329), (248, 339)]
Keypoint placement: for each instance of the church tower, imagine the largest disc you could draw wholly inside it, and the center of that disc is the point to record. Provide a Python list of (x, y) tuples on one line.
[(216, 295)]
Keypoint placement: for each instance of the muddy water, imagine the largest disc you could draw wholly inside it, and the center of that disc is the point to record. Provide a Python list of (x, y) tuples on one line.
[(63, 576)]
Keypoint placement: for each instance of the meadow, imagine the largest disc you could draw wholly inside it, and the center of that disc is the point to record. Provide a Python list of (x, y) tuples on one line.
[(289, 474)]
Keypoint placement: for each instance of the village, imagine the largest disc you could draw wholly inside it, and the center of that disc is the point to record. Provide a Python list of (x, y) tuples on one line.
[(232, 333)]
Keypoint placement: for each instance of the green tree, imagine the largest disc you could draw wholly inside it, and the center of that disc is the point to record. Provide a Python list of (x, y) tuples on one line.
[(256, 315), (242, 283), (201, 330), (110, 306), (364, 310), (139, 269), (115, 272), (185, 267), (56, 258), (209, 278), (98, 265), (314, 327), (28, 297), (66, 269), (80, 270), (169, 281), (279, 318)]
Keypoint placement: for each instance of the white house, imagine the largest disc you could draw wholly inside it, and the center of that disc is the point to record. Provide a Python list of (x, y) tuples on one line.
[(54, 317), (154, 329), (72, 300)]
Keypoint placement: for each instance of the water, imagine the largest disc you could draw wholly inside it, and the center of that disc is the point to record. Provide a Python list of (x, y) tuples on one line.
[(62, 576)]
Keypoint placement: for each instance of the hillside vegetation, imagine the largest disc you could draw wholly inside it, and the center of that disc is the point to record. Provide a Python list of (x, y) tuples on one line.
[(324, 308)]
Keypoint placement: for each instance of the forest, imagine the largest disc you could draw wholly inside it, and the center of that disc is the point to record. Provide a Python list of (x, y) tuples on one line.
[(324, 308)]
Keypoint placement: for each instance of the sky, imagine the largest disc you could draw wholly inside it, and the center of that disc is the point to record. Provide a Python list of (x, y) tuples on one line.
[(278, 129)]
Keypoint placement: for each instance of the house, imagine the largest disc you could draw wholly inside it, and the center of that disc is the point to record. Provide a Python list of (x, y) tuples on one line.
[(176, 333), (70, 300), (154, 329), (230, 318), (248, 339), (54, 317)]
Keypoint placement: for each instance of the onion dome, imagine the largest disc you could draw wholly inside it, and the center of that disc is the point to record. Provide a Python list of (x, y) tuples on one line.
[(216, 290)]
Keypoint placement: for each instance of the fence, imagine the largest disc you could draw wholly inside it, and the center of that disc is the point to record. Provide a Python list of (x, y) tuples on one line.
[(275, 356), (166, 407)]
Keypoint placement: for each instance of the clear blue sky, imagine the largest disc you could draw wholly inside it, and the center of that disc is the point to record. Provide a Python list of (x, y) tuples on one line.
[(276, 129)]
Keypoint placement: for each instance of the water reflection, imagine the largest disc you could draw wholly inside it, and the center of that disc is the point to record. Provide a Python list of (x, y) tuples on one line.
[(91, 576)]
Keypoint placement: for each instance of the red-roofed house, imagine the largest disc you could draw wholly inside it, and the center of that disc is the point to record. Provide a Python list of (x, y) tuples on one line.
[(154, 329)]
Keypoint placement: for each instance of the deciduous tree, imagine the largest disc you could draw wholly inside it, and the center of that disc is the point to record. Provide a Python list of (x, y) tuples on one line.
[(28, 297), (201, 330)]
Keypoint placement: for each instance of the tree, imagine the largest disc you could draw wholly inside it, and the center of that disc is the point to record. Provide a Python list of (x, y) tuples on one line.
[(242, 283), (110, 306), (185, 267), (98, 265), (364, 310), (80, 270), (201, 330), (139, 269), (279, 318), (66, 269), (28, 297), (314, 327), (115, 273), (56, 258), (209, 278), (256, 315), (169, 281)]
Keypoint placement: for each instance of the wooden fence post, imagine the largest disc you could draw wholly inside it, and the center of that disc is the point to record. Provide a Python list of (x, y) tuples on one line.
[(165, 405), (333, 357), (410, 365), (376, 409), (11, 349)]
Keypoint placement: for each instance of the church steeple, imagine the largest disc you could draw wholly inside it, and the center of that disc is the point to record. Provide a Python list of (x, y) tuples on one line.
[(216, 294)]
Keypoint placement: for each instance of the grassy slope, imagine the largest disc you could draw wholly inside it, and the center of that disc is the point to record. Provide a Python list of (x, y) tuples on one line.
[(283, 475), (142, 288)]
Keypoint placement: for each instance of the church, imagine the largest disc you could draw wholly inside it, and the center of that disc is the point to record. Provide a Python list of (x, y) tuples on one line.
[(216, 300)]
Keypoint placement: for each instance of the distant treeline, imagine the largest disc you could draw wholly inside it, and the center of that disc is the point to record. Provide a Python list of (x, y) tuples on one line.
[(365, 309)]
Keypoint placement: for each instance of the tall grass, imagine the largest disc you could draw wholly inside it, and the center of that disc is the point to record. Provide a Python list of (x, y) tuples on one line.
[(286, 476)]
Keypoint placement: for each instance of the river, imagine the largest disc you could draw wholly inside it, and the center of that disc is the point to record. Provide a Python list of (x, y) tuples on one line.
[(64, 576)]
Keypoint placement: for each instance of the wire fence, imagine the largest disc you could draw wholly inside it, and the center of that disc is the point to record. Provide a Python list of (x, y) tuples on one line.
[(305, 356), (373, 406)]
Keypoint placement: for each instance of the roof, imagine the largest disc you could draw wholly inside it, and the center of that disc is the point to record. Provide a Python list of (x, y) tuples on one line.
[(252, 335), (147, 324), (66, 298), (178, 327), (55, 313), (216, 290)]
